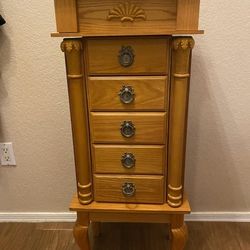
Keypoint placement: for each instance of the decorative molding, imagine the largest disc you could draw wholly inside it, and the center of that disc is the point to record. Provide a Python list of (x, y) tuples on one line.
[(85, 202), (75, 76), (85, 198), (127, 12), (69, 45), (174, 204), (181, 75), (174, 198), (84, 195), (174, 201), (84, 186), (183, 43), (175, 188), (71, 217)]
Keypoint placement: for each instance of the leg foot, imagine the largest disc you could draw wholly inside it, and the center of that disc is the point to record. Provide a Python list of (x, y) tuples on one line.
[(179, 237), (81, 231)]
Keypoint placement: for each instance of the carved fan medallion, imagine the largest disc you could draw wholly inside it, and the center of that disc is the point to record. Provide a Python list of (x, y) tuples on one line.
[(127, 12)]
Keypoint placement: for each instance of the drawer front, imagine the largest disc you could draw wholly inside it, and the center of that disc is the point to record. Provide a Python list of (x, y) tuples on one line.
[(128, 93), (132, 159), (129, 189), (128, 56), (129, 128)]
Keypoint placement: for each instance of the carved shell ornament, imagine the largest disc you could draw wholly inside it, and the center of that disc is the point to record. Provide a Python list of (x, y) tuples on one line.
[(127, 12)]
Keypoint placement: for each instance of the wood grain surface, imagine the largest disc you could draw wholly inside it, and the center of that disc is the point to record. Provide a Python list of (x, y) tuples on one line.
[(130, 217), (150, 93), (100, 207), (151, 56), (119, 236), (79, 116), (166, 32), (149, 159), (178, 115), (149, 189), (66, 15), (188, 14), (159, 15), (150, 127)]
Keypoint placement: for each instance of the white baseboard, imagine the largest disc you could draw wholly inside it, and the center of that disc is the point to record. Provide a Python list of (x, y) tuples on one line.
[(219, 216), (38, 217), (71, 217)]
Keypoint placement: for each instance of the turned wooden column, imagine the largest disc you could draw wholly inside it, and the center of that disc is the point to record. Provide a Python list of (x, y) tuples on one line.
[(73, 49), (179, 93)]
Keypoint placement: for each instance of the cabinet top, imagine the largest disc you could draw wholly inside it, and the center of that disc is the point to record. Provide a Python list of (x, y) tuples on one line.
[(124, 18)]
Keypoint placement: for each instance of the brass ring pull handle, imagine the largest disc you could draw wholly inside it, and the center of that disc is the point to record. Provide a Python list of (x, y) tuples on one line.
[(128, 160), (127, 129), (128, 189), (127, 94), (126, 56)]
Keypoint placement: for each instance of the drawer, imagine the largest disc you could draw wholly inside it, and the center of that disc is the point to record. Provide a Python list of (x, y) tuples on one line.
[(128, 93), (128, 127), (129, 189), (132, 159), (128, 56)]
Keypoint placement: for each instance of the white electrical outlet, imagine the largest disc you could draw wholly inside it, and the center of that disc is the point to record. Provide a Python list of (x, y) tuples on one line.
[(7, 154)]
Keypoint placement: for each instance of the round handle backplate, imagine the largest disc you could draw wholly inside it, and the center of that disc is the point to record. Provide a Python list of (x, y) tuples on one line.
[(128, 189), (127, 129), (128, 160), (127, 94), (126, 56)]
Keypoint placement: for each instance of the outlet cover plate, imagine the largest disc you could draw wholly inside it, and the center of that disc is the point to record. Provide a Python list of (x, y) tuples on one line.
[(7, 154)]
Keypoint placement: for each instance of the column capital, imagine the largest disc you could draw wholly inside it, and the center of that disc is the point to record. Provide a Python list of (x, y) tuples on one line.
[(183, 43), (68, 45)]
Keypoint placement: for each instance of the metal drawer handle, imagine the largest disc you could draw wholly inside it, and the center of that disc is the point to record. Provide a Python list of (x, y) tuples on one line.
[(128, 160), (126, 56), (128, 189), (127, 94), (127, 129)]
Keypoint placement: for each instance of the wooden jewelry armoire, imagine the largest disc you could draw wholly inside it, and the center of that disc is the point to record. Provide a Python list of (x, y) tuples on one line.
[(128, 72)]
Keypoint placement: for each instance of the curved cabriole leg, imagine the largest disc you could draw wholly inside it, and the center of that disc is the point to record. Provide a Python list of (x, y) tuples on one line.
[(80, 231), (179, 237), (81, 236), (178, 232)]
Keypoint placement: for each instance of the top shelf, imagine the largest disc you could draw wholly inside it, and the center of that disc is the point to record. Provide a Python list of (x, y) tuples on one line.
[(168, 32), (121, 17)]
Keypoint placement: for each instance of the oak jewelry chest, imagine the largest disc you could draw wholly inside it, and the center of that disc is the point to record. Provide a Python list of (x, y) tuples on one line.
[(128, 72)]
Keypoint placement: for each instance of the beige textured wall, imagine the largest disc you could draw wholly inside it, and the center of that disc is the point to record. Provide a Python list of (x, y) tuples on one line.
[(34, 111)]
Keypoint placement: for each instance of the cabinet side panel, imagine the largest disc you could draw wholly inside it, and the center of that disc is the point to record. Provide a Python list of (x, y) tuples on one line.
[(79, 117), (188, 14), (66, 15)]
